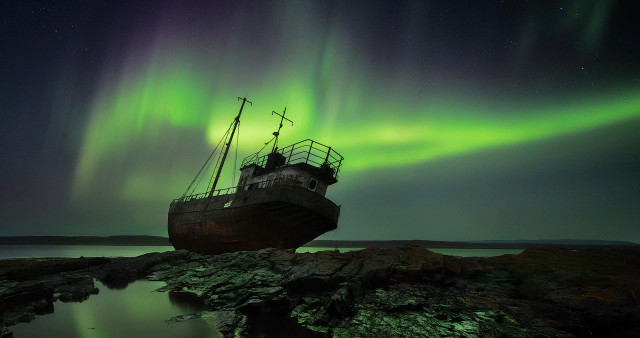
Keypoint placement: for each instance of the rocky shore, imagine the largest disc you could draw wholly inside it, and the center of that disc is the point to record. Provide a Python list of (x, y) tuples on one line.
[(407, 291)]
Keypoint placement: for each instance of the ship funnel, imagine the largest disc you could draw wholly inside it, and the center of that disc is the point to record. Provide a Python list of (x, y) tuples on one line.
[(274, 160)]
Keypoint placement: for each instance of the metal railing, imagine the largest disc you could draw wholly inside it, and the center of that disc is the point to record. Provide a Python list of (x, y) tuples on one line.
[(232, 190), (217, 192), (307, 151)]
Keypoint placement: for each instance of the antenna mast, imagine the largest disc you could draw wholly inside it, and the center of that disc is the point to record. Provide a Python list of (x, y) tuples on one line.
[(277, 133), (226, 150)]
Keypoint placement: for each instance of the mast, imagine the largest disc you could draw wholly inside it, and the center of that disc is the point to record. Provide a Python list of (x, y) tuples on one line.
[(277, 133), (226, 150)]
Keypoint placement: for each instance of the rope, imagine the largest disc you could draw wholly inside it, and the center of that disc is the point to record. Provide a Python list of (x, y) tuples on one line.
[(200, 171), (265, 145), (208, 165), (206, 170), (225, 137), (205, 167)]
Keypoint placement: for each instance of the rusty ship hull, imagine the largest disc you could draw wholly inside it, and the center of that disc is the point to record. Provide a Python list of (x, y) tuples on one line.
[(281, 217), (278, 202)]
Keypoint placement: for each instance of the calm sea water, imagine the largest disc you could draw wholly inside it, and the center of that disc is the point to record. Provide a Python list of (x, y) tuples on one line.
[(74, 251)]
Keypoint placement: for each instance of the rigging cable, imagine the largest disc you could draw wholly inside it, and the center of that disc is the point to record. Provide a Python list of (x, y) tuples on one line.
[(225, 137), (207, 169), (265, 145), (200, 171), (198, 177)]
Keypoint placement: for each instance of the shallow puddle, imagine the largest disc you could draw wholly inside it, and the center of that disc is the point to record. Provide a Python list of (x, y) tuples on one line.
[(136, 311)]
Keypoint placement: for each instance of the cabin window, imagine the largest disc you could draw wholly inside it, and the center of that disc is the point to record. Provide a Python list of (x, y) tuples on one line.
[(313, 184)]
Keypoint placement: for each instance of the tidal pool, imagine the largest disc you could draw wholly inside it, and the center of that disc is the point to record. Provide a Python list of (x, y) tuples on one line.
[(136, 311)]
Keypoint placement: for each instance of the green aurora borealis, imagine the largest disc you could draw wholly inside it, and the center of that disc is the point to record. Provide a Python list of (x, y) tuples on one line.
[(172, 97), (431, 118)]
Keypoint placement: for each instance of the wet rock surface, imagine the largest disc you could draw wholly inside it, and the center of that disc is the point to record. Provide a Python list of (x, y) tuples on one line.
[(408, 291)]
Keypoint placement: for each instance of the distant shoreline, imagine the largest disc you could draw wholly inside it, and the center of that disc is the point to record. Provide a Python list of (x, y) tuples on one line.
[(164, 241), (470, 245)]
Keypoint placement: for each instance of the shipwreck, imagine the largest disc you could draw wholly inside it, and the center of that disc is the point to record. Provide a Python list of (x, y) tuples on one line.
[(279, 200)]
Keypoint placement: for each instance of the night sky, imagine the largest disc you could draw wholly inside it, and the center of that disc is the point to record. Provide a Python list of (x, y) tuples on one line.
[(458, 120)]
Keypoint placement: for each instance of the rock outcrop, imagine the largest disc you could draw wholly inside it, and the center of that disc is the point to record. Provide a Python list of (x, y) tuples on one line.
[(408, 291)]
